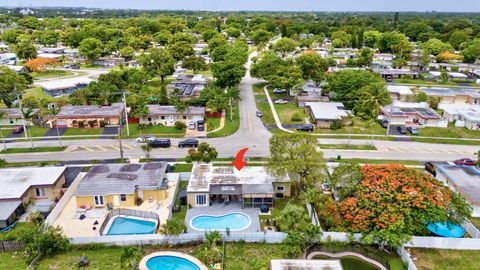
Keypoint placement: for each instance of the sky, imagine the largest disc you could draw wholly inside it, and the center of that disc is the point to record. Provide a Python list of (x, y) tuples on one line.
[(264, 5)]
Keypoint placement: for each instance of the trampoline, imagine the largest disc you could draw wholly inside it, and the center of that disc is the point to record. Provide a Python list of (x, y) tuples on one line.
[(446, 229)]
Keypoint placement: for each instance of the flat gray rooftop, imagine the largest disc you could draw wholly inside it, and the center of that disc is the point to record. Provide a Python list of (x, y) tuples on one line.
[(7, 208), (91, 111), (465, 179)]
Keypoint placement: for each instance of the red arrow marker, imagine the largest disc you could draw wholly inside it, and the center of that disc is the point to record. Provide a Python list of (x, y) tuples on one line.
[(239, 163)]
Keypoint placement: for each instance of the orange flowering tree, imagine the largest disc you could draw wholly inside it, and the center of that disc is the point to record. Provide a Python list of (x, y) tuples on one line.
[(391, 203), (40, 64)]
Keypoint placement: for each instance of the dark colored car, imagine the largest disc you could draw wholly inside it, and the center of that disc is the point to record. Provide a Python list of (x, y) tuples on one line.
[(464, 162), (188, 143), (306, 127), (259, 114), (18, 129), (200, 125), (430, 167), (72, 66), (402, 130), (160, 143), (384, 123), (413, 130)]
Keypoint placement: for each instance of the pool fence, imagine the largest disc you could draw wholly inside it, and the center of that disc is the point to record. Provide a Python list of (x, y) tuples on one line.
[(126, 212)]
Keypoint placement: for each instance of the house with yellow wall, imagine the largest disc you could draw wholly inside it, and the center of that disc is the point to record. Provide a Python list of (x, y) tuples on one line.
[(122, 185), (21, 186)]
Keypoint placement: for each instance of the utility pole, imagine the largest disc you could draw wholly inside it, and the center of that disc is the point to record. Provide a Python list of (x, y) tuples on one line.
[(3, 140), (120, 142), (389, 119), (124, 99), (25, 131)]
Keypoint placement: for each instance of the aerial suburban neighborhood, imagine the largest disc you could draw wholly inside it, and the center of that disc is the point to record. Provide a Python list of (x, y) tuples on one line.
[(278, 135)]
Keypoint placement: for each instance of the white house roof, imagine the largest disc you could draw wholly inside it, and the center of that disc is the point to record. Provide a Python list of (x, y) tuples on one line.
[(172, 110), (451, 74), (450, 92), (64, 83), (327, 110), (455, 108), (471, 116), (401, 90), (49, 55), (16, 181)]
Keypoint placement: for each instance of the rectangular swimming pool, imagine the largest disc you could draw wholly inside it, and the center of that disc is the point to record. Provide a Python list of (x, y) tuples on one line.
[(121, 225)]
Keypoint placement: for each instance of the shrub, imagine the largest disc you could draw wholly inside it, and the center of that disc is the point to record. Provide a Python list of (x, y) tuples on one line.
[(102, 123), (91, 123), (180, 125), (337, 124), (296, 117), (80, 124)]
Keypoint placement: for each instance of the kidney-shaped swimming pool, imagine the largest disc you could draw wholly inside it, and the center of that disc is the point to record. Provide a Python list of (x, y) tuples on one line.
[(232, 221)]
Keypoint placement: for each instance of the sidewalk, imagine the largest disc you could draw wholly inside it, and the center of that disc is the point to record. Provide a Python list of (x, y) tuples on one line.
[(274, 112), (222, 124)]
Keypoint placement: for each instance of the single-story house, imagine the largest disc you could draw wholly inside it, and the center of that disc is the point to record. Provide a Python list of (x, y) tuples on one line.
[(303, 97), (19, 186), (49, 55), (168, 115), (453, 95), (463, 115), (437, 75), (17, 69), (399, 92), (110, 61), (13, 117), (63, 87), (292, 264), (122, 185), (87, 116), (385, 57), (464, 180), (252, 186), (311, 86), (323, 114), (51, 50), (390, 74), (8, 58), (417, 114), (188, 85)]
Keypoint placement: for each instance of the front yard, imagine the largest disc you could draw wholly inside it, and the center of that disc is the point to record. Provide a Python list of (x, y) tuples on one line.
[(156, 130), (230, 126), (30, 150), (83, 131)]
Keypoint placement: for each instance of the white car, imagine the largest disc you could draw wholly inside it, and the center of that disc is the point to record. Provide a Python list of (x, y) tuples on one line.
[(279, 91), (192, 125), (145, 138), (281, 101)]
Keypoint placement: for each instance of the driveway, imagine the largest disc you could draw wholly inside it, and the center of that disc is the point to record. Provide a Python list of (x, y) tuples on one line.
[(394, 131), (110, 131), (53, 132)]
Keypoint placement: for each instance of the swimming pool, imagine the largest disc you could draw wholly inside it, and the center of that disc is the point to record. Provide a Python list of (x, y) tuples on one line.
[(121, 225), (170, 261), (232, 221), (446, 229)]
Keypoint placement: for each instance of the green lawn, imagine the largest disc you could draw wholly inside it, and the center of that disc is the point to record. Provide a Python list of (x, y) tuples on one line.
[(100, 258), (250, 256), (359, 126), (30, 150), (213, 123), (422, 82), (230, 127), (446, 259), (182, 167), (267, 117), (54, 74), (5, 131), (258, 91), (29, 164), (157, 130), (285, 112), (183, 210), (37, 131), (38, 93), (14, 233), (12, 261), (348, 147), (476, 222), (83, 131), (207, 72), (91, 66), (450, 132), (277, 209)]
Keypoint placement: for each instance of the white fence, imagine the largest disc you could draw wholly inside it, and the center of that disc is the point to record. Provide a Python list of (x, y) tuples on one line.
[(406, 259), (313, 214), (471, 229), (444, 243)]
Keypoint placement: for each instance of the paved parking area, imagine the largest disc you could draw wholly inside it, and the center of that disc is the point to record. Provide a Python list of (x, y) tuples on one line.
[(53, 132), (110, 131), (193, 133)]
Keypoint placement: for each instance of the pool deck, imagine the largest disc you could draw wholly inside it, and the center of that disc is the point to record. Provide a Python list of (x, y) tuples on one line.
[(218, 209)]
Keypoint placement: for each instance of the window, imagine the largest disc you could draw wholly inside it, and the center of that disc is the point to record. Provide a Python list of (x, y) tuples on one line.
[(201, 199), (40, 192), (11, 121), (149, 119), (123, 197), (280, 188), (162, 117), (184, 117), (98, 200)]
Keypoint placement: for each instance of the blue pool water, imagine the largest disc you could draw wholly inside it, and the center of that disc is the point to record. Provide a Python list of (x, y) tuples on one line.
[(234, 221), (445, 229), (123, 225), (170, 263)]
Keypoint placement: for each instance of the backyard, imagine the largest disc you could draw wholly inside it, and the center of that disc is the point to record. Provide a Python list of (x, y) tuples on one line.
[(446, 259)]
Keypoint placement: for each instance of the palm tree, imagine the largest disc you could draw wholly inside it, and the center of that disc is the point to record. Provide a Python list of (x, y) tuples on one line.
[(27, 117), (131, 258), (146, 148), (82, 95), (173, 227), (218, 102), (212, 238), (104, 95), (233, 94)]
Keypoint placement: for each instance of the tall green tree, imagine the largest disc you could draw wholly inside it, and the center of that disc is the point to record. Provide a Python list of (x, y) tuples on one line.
[(24, 49), (284, 46), (91, 48), (194, 63), (204, 153), (12, 85), (158, 62), (471, 51), (313, 66)]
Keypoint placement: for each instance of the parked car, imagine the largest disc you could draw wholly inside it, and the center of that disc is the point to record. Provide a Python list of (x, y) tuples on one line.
[(305, 127), (464, 162), (413, 130), (165, 143), (259, 114), (200, 125), (279, 91), (188, 143), (192, 125), (384, 123), (430, 167), (281, 101), (71, 66), (18, 129), (402, 130), (145, 138)]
